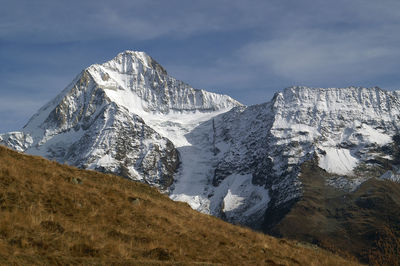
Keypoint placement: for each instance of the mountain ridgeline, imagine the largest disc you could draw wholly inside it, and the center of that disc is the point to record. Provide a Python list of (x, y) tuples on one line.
[(274, 166)]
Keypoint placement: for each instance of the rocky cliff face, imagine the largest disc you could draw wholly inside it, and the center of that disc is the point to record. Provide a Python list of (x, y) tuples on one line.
[(244, 164)]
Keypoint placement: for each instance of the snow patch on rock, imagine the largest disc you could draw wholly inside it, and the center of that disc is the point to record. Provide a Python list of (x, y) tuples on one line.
[(345, 183), (337, 161), (391, 175), (241, 199)]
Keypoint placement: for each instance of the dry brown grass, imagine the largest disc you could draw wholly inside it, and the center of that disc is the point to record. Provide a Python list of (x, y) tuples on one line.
[(387, 248), (55, 214)]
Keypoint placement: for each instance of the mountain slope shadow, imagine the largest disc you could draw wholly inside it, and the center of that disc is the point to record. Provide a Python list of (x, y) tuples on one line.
[(351, 223)]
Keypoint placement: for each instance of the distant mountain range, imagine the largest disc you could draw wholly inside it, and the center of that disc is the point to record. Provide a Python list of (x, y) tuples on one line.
[(310, 164)]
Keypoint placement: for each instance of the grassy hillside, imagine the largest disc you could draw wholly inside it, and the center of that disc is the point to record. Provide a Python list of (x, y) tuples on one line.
[(55, 214)]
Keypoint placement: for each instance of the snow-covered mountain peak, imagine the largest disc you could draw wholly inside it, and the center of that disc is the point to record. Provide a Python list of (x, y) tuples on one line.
[(133, 62), (125, 116), (334, 97), (340, 122), (137, 82), (317, 105), (133, 81)]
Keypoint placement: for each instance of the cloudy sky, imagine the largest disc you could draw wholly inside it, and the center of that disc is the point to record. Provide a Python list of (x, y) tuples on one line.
[(246, 49)]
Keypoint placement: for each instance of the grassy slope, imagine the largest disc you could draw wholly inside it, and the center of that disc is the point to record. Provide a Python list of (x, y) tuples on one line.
[(55, 214), (348, 223)]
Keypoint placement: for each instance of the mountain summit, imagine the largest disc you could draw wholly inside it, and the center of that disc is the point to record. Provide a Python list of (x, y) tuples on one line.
[(108, 118), (273, 166)]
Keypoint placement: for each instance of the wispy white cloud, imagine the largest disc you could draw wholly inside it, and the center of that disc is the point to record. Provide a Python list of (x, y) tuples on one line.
[(313, 44), (321, 56), (136, 20)]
